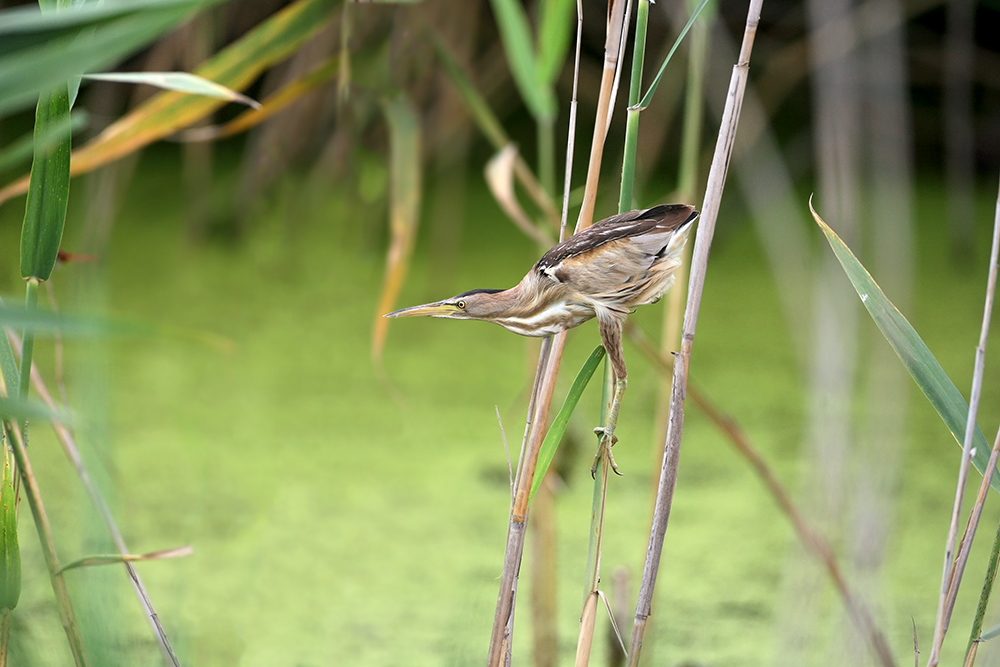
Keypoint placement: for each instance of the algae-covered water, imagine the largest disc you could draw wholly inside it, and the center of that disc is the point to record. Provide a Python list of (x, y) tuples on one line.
[(338, 518)]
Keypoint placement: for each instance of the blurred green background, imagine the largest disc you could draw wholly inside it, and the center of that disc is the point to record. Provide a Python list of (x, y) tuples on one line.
[(353, 512)]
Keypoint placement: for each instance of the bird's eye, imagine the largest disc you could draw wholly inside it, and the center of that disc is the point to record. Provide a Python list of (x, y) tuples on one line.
[(461, 304)]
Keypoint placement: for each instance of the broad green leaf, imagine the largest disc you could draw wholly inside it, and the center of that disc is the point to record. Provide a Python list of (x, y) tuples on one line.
[(182, 82), (648, 97), (39, 50), (555, 26), (236, 67), (404, 207), (559, 424), (991, 633), (48, 191), (912, 351), (515, 33), (10, 551)]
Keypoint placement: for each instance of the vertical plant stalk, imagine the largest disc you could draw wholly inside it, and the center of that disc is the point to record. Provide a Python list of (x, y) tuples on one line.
[(538, 410), (984, 599), (501, 637), (686, 183), (699, 264), (68, 443), (613, 44), (946, 601), (63, 601), (811, 539)]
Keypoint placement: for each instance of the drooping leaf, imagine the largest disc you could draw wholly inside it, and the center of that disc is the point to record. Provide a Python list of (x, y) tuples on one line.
[(182, 82), (500, 178), (515, 33), (285, 96), (917, 358), (114, 559), (48, 190), (404, 207), (559, 424), (39, 50), (236, 67)]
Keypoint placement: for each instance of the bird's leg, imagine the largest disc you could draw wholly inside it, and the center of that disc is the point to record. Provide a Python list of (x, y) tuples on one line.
[(611, 337), (606, 433)]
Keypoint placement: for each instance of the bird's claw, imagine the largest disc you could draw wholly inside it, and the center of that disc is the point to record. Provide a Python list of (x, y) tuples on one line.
[(603, 434)]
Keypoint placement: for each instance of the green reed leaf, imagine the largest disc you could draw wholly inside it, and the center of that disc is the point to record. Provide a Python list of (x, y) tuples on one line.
[(515, 33), (917, 358), (48, 187), (648, 97), (559, 424), (555, 26), (10, 551)]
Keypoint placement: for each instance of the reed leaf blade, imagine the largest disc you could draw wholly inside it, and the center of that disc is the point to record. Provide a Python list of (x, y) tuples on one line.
[(515, 33), (555, 24), (235, 67), (181, 82), (404, 207), (558, 428), (917, 358), (48, 189)]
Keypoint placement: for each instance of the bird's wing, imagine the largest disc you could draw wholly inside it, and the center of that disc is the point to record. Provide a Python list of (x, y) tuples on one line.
[(606, 257)]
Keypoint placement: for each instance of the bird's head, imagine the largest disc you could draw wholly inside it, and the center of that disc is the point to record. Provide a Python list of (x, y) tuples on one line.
[(479, 304)]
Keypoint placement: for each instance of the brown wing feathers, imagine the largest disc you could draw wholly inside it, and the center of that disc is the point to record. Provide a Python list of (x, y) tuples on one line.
[(666, 217)]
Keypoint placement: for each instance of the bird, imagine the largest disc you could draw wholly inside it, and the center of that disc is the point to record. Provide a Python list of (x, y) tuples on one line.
[(604, 271)]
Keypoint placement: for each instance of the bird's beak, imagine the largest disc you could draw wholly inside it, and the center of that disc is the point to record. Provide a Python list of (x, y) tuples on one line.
[(438, 309)]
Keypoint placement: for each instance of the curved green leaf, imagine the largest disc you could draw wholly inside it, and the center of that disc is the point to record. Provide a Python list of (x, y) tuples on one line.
[(555, 25), (648, 97), (39, 50), (559, 424), (912, 351)]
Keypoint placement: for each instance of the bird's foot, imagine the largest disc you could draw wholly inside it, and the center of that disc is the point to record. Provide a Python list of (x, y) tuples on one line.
[(606, 440)]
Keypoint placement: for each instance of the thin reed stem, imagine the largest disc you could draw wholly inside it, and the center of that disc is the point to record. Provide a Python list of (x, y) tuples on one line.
[(66, 614), (984, 596), (699, 265), (952, 576), (813, 541), (72, 452)]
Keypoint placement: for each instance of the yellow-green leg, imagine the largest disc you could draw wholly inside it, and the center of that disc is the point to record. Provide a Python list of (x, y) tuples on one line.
[(606, 434)]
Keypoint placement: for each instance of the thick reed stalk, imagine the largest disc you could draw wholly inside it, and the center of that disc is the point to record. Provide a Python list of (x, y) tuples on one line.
[(686, 183), (952, 575), (699, 264), (44, 528)]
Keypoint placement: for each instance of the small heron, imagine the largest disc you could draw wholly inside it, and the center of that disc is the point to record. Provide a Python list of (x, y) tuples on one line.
[(604, 271)]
